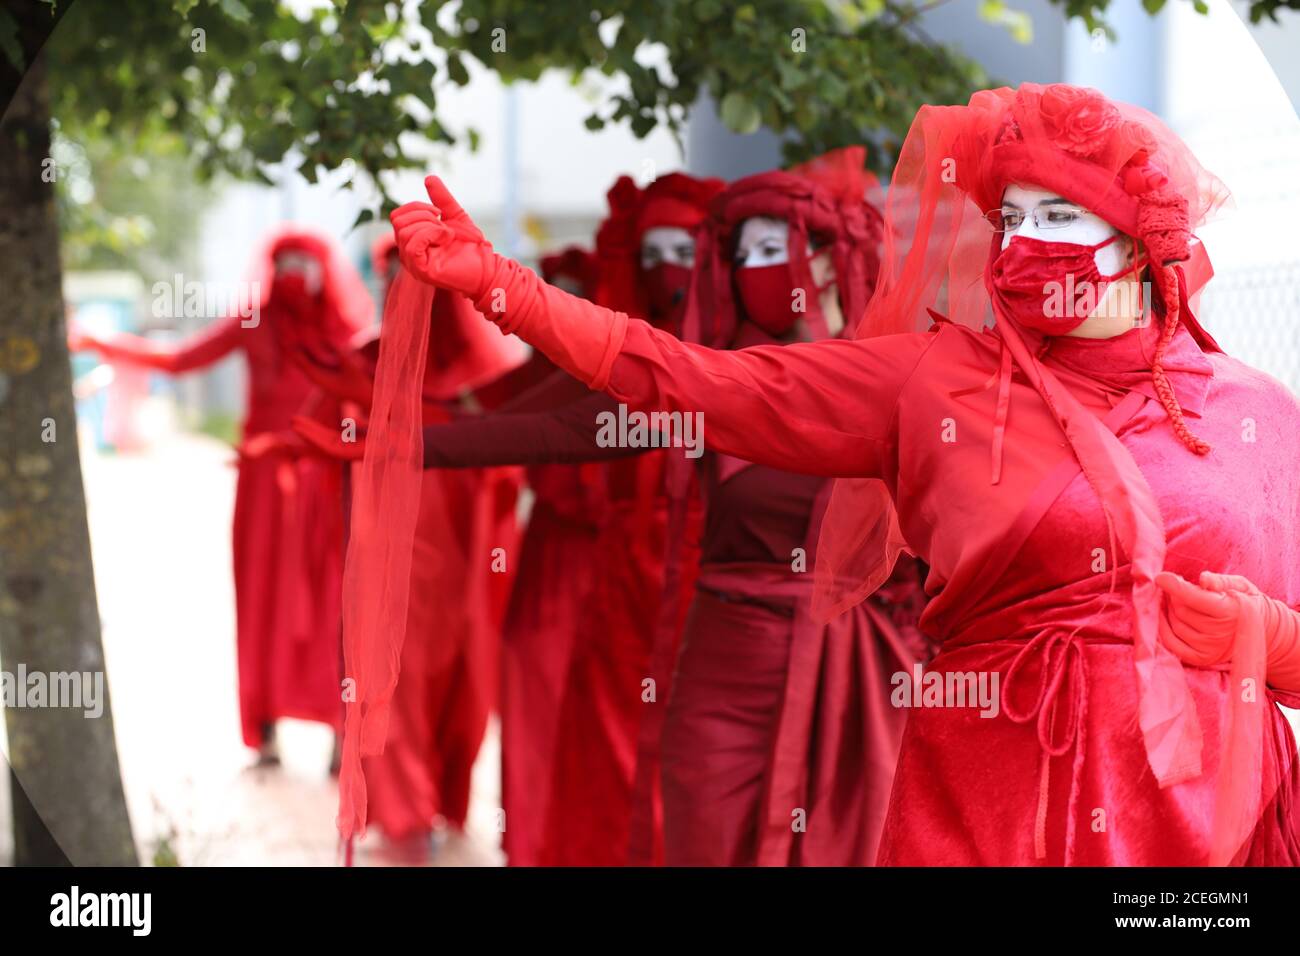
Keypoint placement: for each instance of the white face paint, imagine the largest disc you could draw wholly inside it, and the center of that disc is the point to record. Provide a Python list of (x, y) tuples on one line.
[(1086, 230), (293, 262), (763, 241), (670, 244)]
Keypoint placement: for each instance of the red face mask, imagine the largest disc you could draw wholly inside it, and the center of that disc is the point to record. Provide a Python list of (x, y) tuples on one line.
[(290, 290), (767, 295), (1049, 286), (665, 287)]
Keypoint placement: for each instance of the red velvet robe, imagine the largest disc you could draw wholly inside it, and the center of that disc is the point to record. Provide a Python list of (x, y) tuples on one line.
[(1026, 588)]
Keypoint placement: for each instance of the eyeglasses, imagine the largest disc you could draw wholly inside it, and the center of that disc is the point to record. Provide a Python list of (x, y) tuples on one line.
[(1009, 219)]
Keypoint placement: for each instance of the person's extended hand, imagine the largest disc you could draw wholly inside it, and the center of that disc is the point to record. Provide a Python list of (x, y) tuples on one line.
[(265, 444), (327, 441), (439, 243)]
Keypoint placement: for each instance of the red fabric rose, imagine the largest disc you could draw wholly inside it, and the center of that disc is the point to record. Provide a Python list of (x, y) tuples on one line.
[(1140, 141), (1080, 120)]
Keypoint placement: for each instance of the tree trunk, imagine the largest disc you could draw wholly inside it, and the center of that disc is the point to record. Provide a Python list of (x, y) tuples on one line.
[(64, 761)]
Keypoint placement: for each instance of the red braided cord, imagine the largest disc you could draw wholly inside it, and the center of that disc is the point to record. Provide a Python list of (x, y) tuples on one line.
[(1167, 282)]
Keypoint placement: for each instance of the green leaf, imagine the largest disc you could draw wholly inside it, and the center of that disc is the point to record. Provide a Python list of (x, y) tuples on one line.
[(236, 11), (456, 70), (9, 40), (739, 114)]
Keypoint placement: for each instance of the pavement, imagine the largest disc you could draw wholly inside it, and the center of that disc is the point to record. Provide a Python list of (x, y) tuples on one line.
[(160, 525)]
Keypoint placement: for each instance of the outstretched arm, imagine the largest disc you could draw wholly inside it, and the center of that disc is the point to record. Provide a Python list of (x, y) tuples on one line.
[(569, 434), (825, 408), (203, 348), (514, 388)]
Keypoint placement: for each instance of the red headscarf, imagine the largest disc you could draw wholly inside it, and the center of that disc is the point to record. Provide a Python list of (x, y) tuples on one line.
[(831, 199), (348, 307), (572, 262), (676, 200), (1120, 162)]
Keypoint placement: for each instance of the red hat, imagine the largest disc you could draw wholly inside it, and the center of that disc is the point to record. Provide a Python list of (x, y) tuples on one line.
[(675, 200)]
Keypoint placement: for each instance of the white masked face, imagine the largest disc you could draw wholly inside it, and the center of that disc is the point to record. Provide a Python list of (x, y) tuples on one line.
[(763, 241), (291, 261), (1086, 230), (670, 244)]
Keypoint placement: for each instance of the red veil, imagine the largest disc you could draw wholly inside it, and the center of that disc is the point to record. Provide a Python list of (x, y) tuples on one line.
[(1124, 164), (432, 342), (832, 200)]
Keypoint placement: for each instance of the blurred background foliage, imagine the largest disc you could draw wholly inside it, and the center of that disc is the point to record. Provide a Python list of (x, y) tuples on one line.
[(159, 102)]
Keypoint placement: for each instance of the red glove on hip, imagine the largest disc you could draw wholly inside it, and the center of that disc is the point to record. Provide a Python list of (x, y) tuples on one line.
[(439, 244), (1201, 624)]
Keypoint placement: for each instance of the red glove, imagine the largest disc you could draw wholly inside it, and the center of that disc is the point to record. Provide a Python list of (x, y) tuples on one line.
[(1200, 624), (440, 244), (264, 444), (328, 442)]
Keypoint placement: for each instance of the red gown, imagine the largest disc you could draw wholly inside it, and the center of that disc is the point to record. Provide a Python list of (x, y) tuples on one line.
[(287, 525), (1047, 481), (1024, 601)]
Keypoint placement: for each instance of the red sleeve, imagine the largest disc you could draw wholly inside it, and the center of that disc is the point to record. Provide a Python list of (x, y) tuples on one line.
[(559, 388), (564, 435), (822, 408), (517, 382), (214, 342)]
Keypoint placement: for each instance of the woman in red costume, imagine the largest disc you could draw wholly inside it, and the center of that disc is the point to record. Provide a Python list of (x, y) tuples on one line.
[(286, 527), (1107, 503), (779, 745), (574, 804)]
